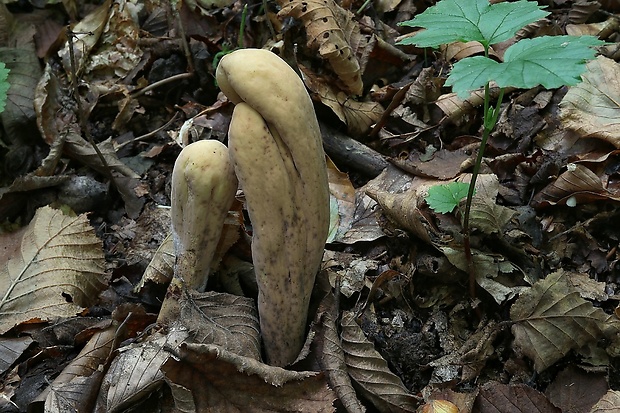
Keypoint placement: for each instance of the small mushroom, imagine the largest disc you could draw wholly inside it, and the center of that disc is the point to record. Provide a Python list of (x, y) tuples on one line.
[(203, 188), (276, 147)]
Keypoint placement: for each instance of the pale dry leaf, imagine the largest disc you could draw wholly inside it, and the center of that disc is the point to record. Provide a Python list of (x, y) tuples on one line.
[(221, 381), (135, 371), (330, 30), (87, 33), (226, 320), (58, 272), (370, 371), (592, 107), (183, 399), (161, 267), (497, 397), (608, 403), (552, 319)]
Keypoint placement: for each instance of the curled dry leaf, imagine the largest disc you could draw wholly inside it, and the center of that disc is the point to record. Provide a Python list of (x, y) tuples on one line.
[(552, 319), (359, 116), (135, 372), (370, 371), (331, 30), (221, 381), (82, 373), (578, 183), (57, 273), (591, 110)]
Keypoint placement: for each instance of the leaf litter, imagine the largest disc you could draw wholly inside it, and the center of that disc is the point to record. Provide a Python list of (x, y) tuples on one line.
[(82, 292)]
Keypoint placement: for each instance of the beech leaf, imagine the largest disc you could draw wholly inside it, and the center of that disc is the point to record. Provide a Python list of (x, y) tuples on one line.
[(57, 273), (472, 20), (370, 371), (552, 319)]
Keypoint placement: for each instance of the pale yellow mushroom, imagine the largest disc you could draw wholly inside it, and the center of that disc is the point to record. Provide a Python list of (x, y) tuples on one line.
[(203, 188), (276, 147)]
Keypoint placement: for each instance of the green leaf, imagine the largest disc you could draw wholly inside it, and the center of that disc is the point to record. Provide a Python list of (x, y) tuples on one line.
[(472, 20), (444, 198), (550, 61), (4, 85)]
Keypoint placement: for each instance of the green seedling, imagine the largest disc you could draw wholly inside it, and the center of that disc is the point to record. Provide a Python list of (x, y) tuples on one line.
[(549, 61), (445, 198), (4, 85)]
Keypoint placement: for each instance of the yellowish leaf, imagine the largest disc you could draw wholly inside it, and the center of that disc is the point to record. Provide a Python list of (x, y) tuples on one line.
[(57, 273)]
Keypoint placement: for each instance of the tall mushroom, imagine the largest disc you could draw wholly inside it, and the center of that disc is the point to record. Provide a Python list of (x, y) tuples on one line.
[(276, 148)]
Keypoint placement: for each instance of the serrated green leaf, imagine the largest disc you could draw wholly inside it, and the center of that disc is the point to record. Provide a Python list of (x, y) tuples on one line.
[(550, 61), (444, 198), (4, 85), (472, 20)]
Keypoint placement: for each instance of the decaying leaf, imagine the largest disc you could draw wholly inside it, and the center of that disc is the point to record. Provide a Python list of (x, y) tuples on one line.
[(370, 371), (592, 108), (608, 403), (520, 398), (358, 115), (221, 381), (330, 30), (332, 360), (577, 185), (135, 372), (161, 267), (57, 273), (575, 390), (494, 272), (551, 319), (222, 319)]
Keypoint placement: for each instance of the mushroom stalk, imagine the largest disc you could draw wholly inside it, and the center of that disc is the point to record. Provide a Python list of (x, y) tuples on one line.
[(276, 148)]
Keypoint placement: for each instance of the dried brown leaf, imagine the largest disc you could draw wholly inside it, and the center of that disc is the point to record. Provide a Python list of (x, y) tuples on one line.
[(370, 371), (592, 107), (161, 267), (332, 361), (330, 30), (551, 319), (222, 319), (575, 391), (78, 384), (57, 273), (11, 349), (496, 397), (221, 381), (578, 183)]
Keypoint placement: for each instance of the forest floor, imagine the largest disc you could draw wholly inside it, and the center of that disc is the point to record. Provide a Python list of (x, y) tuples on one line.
[(394, 325)]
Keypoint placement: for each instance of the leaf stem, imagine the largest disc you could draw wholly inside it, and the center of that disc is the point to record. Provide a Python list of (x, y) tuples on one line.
[(489, 121)]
